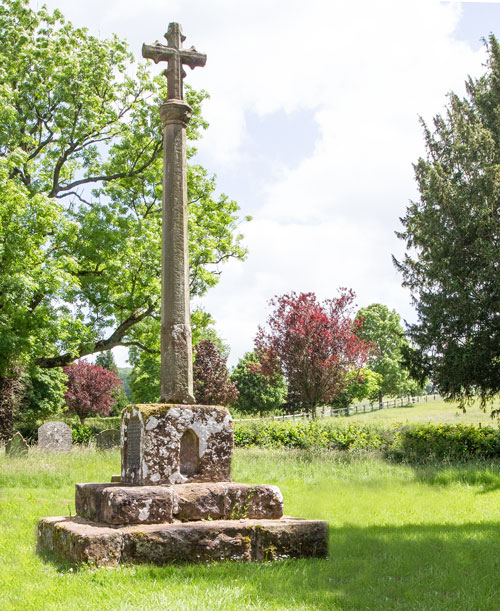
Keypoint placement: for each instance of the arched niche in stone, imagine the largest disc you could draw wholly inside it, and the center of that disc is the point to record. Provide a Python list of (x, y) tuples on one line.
[(189, 453)]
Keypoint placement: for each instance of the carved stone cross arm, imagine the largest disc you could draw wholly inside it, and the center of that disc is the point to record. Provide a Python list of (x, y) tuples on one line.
[(176, 56), (161, 53)]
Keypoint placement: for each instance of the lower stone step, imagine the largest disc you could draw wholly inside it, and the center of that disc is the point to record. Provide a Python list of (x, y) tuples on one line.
[(76, 540)]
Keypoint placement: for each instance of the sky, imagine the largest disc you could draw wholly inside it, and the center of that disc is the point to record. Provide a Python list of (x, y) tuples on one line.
[(314, 126)]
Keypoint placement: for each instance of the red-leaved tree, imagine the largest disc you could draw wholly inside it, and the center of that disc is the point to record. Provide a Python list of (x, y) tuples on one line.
[(314, 344), (90, 389), (212, 385)]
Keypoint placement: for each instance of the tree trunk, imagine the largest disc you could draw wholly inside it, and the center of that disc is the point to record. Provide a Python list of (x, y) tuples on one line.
[(7, 399), (379, 398)]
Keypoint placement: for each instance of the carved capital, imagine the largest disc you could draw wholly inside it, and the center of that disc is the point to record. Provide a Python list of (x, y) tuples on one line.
[(175, 111)]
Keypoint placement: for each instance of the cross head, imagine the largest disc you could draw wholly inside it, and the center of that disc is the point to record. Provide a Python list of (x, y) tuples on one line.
[(176, 56)]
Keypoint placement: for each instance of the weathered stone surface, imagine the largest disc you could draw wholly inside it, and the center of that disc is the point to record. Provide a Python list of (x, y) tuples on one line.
[(176, 56), (16, 446), (107, 439), (55, 436), (156, 449), (176, 377), (227, 501), (115, 504), (77, 541)]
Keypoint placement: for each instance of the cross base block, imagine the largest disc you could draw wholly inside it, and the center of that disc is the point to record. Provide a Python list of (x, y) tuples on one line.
[(76, 540), (115, 504)]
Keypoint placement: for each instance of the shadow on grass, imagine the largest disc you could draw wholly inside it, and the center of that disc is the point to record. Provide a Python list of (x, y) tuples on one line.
[(485, 475), (62, 566), (378, 567), (410, 567)]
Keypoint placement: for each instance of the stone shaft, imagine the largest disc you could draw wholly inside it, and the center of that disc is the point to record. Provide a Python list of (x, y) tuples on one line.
[(176, 349)]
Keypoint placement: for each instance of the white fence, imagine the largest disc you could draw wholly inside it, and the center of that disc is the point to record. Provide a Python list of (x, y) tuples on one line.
[(363, 408)]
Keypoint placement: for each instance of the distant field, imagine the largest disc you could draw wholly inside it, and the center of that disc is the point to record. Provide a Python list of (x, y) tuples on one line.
[(437, 411)]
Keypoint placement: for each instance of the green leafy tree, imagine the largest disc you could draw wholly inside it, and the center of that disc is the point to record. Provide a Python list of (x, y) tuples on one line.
[(106, 360), (124, 375), (452, 234), (42, 397), (80, 197), (382, 328), (32, 230), (258, 393), (145, 376), (362, 384)]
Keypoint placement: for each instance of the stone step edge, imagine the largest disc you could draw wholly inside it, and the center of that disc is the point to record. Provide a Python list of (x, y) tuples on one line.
[(75, 540), (117, 504)]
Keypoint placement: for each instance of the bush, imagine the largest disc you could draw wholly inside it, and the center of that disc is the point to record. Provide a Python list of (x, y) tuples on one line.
[(93, 426), (410, 443), (445, 442), (304, 435), (405, 443), (81, 433), (96, 425)]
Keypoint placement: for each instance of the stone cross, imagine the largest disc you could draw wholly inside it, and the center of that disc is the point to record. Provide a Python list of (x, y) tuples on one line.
[(176, 349), (176, 56)]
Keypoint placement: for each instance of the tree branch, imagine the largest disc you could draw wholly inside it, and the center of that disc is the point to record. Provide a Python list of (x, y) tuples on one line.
[(107, 177), (115, 339), (141, 346)]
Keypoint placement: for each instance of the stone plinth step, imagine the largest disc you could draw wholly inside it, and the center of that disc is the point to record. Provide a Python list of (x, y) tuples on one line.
[(115, 504), (76, 540)]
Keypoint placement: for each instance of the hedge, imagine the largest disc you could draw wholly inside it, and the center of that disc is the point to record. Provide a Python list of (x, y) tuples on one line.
[(408, 443), (93, 426), (445, 442), (309, 435)]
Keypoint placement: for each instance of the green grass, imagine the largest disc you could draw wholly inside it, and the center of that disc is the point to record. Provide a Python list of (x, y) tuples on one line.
[(437, 412), (400, 538)]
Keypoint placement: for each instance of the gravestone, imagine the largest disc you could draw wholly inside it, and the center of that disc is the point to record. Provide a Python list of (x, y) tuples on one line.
[(175, 501), (16, 446), (107, 439), (55, 436)]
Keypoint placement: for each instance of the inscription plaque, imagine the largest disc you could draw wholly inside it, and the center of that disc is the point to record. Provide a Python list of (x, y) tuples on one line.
[(134, 444)]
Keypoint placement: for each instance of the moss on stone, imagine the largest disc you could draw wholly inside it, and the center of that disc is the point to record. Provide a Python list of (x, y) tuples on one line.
[(153, 409)]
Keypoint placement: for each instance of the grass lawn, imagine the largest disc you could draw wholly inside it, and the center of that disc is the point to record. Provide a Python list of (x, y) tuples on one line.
[(437, 411), (400, 538)]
